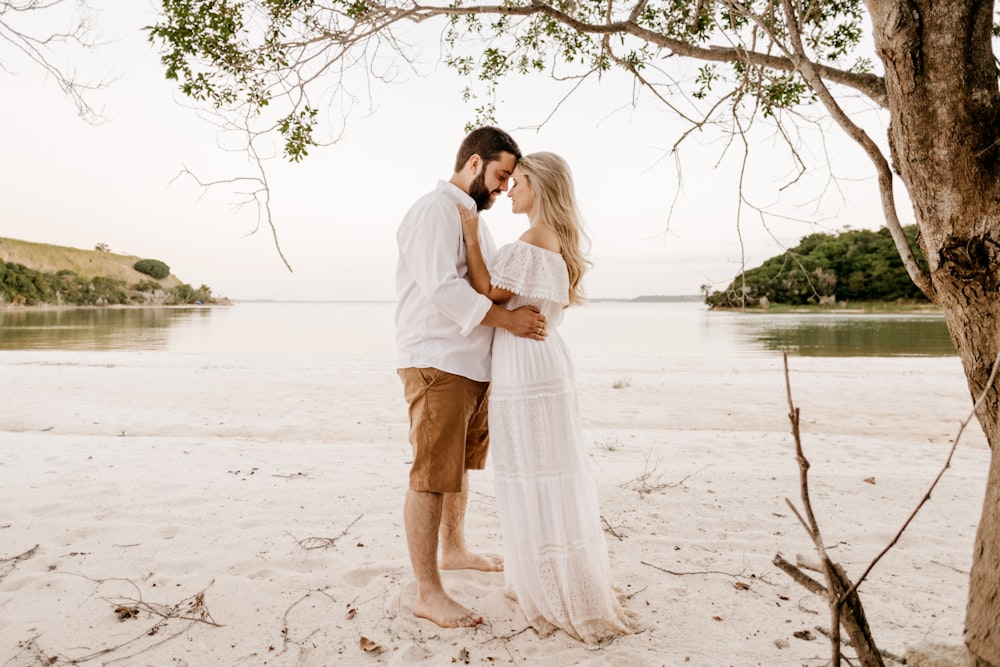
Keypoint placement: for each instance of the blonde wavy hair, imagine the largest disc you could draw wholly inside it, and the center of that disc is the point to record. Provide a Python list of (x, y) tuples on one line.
[(555, 205)]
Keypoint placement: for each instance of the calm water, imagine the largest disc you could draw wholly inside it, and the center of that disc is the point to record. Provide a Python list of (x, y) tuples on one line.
[(355, 330)]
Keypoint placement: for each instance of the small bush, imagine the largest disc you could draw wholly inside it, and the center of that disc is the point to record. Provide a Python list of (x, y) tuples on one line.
[(147, 286), (152, 267), (108, 291), (185, 294), (622, 383)]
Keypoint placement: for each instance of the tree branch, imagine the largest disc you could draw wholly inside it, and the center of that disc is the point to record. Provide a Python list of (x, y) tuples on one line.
[(38, 48), (869, 85), (814, 78), (927, 495)]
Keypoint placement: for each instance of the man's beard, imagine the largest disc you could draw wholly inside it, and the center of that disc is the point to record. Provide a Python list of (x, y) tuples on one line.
[(480, 193)]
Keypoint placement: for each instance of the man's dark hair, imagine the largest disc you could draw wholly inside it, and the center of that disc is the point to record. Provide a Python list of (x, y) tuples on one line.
[(486, 142)]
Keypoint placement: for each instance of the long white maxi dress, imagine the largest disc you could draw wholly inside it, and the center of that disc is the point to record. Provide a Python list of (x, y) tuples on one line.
[(555, 554)]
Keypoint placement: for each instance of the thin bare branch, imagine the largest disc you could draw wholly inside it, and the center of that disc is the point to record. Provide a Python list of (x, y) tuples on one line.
[(260, 195), (309, 543), (676, 573), (927, 494), (41, 49)]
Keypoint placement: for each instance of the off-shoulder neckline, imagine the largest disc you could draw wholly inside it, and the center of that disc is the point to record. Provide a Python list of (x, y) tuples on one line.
[(538, 247)]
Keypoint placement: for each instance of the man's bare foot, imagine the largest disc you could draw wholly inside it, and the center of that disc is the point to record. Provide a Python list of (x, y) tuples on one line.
[(444, 611), (466, 560)]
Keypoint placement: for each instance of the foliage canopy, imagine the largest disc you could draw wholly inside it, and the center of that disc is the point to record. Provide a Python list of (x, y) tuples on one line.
[(854, 265), (272, 58)]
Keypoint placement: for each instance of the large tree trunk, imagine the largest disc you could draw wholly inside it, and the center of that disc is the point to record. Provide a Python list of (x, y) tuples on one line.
[(944, 136), (974, 328)]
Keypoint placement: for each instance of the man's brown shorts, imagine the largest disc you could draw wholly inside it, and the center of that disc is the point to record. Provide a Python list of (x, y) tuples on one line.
[(448, 427)]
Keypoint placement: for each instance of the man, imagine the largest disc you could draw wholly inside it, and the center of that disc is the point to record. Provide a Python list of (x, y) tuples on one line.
[(444, 331)]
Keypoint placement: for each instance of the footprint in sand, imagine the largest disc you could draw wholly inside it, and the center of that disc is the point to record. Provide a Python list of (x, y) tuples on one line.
[(362, 576)]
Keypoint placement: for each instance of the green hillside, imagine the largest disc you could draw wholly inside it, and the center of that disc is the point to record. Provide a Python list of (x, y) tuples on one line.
[(40, 273), (88, 264), (854, 265)]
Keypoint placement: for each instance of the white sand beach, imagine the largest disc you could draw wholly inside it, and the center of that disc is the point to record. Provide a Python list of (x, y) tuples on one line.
[(246, 510)]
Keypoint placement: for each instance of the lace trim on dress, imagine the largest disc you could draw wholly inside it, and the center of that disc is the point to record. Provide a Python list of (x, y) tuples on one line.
[(571, 587), (532, 272)]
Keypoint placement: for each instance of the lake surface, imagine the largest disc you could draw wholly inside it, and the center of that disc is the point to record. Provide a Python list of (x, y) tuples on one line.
[(365, 330)]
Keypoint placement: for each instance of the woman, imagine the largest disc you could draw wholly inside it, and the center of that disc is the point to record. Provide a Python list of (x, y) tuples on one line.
[(555, 554)]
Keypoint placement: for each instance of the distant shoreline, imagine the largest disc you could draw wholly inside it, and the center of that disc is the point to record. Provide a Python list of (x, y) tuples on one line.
[(681, 298), (846, 308), (111, 306)]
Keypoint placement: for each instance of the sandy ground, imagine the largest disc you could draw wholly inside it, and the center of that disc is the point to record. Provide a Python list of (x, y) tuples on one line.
[(166, 509)]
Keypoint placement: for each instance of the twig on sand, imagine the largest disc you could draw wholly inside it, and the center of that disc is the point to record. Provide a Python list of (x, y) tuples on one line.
[(643, 484), (739, 575), (310, 543), (7, 565), (294, 475), (191, 609), (611, 529), (285, 633), (29, 648), (505, 641)]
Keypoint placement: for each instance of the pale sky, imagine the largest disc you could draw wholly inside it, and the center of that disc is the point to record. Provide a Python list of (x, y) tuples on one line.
[(66, 182)]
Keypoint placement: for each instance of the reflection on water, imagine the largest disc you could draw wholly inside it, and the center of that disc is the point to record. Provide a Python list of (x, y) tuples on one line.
[(345, 329), (850, 335), (686, 330), (91, 328), (603, 329)]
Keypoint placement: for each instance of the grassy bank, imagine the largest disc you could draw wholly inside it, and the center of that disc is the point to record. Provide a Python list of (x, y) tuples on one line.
[(40, 274), (88, 264)]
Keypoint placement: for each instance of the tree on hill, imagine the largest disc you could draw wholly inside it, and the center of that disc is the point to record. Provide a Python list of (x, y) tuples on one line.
[(855, 265), (935, 88)]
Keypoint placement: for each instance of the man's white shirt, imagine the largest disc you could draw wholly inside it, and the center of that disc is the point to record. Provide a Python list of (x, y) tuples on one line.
[(438, 313)]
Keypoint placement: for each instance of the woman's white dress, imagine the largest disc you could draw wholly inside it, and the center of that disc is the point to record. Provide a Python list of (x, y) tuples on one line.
[(555, 553)]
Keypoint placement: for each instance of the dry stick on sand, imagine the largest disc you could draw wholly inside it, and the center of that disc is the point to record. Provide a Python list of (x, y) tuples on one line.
[(642, 486), (30, 648), (7, 565), (286, 638), (836, 579), (849, 594), (738, 575), (191, 609), (309, 543), (611, 529)]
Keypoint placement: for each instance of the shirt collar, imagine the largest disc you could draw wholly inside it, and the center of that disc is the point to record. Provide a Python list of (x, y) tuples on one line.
[(457, 193)]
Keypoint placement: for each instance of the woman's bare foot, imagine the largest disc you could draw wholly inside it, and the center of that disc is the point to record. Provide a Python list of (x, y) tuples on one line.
[(444, 611), (466, 560)]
